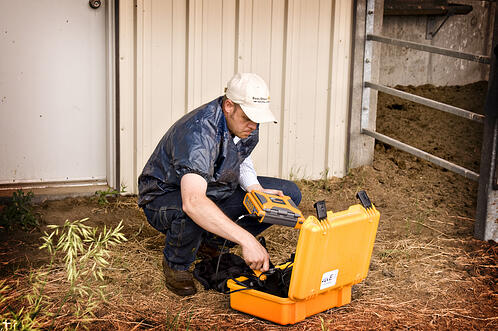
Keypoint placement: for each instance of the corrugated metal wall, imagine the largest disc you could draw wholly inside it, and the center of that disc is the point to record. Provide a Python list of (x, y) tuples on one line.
[(176, 55)]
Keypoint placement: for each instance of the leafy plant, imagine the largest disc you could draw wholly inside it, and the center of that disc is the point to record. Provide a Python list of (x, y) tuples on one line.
[(102, 196), (16, 320), (322, 324), (19, 212), (84, 252), (324, 182), (175, 323)]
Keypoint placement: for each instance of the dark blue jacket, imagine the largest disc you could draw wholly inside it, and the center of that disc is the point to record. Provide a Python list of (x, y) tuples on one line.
[(200, 143)]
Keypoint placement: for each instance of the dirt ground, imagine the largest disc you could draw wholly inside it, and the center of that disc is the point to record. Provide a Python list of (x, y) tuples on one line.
[(427, 271)]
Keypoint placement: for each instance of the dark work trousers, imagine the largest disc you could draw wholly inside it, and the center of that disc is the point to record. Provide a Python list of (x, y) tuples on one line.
[(184, 236)]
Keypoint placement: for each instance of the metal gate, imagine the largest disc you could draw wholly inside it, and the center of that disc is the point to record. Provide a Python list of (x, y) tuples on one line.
[(368, 85)]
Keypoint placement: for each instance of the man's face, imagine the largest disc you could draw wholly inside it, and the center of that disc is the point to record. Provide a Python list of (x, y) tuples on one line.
[(237, 121)]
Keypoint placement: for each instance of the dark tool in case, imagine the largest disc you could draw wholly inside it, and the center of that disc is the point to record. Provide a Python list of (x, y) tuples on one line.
[(274, 209)]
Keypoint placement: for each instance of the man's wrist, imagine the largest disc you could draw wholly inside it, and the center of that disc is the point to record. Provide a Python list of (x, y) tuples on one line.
[(255, 187)]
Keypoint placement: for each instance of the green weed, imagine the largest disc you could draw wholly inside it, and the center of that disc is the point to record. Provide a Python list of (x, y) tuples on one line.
[(175, 322), (414, 227), (322, 324), (296, 174), (84, 252), (102, 196), (19, 212), (324, 181), (21, 319), (172, 322), (388, 253)]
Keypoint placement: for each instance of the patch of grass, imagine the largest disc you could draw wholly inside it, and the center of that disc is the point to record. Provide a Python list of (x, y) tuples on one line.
[(75, 289), (20, 320), (102, 196), (12, 319), (84, 251), (324, 182), (419, 224), (172, 322), (19, 212), (322, 325), (414, 226), (388, 253)]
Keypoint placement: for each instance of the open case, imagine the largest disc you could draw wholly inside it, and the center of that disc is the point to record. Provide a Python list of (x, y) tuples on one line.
[(332, 254)]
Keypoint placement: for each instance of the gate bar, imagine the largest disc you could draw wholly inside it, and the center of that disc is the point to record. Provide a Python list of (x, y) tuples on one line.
[(423, 155), (431, 49), (367, 64), (428, 102)]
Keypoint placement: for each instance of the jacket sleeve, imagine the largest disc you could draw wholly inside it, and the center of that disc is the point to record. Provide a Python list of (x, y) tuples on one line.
[(194, 149)]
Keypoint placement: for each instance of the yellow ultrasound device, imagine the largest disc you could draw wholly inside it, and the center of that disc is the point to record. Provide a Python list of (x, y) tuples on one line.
[(274, 209)]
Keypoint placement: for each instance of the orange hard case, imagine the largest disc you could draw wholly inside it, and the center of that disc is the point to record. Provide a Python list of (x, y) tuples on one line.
[(331, 255)]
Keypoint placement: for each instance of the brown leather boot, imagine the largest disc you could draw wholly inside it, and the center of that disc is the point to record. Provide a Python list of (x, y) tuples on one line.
[(178, 281)]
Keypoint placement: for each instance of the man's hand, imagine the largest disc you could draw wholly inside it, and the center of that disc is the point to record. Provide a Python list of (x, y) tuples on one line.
[(255, 255), (209, 216), (257, 187)]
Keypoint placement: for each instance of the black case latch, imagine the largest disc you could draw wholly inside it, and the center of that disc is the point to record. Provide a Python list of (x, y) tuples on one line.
[(364, 199), (321, 209)]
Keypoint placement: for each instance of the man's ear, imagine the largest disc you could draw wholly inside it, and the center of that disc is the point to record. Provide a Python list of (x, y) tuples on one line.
[(228, 106)]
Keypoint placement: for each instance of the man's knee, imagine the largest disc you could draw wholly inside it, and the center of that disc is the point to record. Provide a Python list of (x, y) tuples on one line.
[(288, 187), (292, 190), (162, 218)]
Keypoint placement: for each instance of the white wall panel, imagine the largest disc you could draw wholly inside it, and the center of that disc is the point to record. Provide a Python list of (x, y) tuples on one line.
[(308, 65), (261, 50), (187, 50), (211, 49), (127, 87), (160, 71), (272, 134), (340, 70)]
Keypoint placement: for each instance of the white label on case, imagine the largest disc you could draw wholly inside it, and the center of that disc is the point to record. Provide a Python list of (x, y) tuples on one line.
[(329, 279)]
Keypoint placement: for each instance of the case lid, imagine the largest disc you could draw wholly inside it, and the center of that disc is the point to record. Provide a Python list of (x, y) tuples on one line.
[(334, 252)]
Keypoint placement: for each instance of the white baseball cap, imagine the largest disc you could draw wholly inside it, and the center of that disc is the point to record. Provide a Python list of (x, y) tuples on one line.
[(251, 93)]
